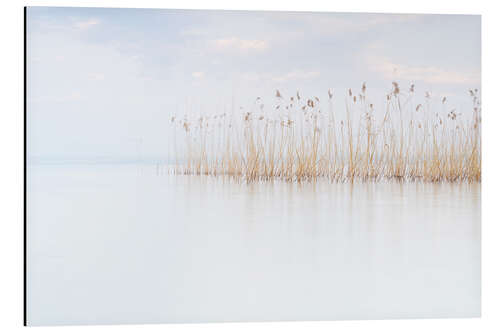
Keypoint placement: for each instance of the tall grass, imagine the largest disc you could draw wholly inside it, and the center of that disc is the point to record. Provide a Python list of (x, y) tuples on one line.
[(303, 139)]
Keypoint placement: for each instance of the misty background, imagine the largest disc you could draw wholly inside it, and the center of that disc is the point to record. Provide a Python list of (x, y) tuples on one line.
[(103, 84)]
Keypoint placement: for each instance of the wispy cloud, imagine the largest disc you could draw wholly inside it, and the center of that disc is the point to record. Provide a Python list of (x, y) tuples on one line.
[(198, 75), (83, 25), (429, 74), (347, 23), (195, 32), (234, 43)]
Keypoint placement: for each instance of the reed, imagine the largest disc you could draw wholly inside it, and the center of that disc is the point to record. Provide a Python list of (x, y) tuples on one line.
[(299, 140)]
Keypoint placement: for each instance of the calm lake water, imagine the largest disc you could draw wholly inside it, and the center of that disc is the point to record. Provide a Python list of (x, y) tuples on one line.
[(127, 244)]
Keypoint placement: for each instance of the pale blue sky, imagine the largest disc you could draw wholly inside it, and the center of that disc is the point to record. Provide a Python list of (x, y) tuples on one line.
[(103, 83)]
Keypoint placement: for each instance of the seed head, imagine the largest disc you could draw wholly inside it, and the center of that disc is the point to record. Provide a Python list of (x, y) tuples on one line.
[(396, 88)]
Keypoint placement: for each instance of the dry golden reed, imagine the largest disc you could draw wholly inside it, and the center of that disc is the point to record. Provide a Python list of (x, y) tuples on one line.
[(298, 140)]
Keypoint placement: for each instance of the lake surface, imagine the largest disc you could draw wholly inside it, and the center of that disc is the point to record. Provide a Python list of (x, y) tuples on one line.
[(111, 244)]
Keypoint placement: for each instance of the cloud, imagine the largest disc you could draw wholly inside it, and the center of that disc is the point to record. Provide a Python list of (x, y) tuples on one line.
[(234, 43), (429, 74), (195, 32), (296, 75), (340, 24), (83, 25), (198, 75)]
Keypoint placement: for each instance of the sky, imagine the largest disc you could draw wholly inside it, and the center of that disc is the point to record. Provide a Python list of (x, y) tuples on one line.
[(104, 83)]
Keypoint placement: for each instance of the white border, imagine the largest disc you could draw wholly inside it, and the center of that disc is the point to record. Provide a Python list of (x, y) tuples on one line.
[(11, 164)]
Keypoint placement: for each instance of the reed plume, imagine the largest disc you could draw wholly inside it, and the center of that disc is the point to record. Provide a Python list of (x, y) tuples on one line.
[(300, 141)]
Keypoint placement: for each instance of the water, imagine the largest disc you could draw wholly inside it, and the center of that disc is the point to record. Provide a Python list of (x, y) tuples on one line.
[(123, 244)]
